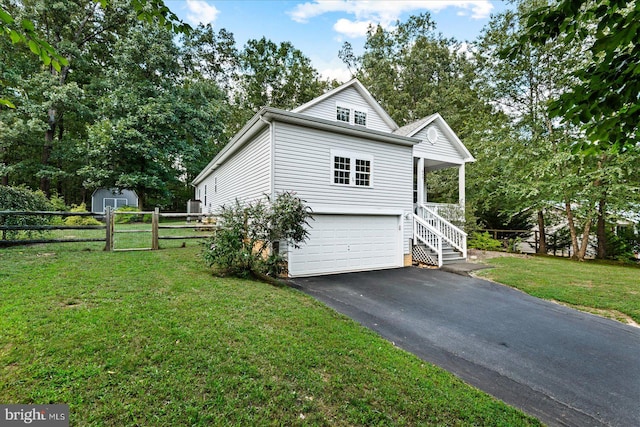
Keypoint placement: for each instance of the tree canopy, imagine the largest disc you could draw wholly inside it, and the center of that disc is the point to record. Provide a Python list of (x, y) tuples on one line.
[(605, 98)]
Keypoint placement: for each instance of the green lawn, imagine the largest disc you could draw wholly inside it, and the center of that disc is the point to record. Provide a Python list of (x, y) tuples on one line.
[(609, 289), (152, 338)]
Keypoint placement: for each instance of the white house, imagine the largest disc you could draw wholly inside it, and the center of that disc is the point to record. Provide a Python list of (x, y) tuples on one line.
[(361, 174)]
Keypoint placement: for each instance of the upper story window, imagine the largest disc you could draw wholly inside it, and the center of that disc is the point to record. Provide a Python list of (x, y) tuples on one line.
[(351, 169), (351, 115), (343, 114), (341, 170)]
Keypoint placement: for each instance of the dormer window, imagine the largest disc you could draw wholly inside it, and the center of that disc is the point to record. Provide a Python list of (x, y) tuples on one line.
[(360, 118), (343, 114), (351, 115)]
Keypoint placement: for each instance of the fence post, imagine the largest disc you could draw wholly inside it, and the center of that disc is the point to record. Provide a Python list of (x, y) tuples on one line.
[(154, 229), (108, 219)]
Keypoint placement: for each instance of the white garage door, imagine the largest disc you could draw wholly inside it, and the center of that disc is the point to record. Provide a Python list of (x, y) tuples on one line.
[(341, 243)]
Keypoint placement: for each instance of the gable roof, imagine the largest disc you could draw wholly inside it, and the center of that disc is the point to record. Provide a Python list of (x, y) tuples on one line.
[(267, 115), (413, 128), (359, 87)]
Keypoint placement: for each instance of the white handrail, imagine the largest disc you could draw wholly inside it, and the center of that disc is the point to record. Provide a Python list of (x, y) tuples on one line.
[(452, 234), (428, 235)]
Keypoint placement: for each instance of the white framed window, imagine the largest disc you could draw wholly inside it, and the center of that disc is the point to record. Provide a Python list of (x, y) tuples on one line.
[(351, 114), (351, 169), (343, 114), (113, 203)]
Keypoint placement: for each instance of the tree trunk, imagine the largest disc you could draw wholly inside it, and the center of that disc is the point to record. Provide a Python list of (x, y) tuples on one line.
[(45, 182), (601, 230), (4, 179), (141, 197), (542, 248), (572, 230), (585, 240)]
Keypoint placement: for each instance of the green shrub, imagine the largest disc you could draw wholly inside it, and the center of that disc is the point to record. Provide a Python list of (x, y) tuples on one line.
[(80, 220), (130, 218), (57, 203), (248, 235), (22, 199), (483, 241)]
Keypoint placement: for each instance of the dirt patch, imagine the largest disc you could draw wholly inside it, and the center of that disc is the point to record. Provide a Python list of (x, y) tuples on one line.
[(476, 255)]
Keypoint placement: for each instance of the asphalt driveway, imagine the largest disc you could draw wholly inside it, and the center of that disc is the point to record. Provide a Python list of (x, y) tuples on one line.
[(561, 365)]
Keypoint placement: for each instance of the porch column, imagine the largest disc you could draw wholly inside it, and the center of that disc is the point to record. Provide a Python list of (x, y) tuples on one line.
[(420, 178), (461, 185)]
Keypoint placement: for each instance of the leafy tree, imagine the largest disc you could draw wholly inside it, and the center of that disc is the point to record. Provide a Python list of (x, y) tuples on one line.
[(156, 128), (536, 170), (538, 167), (414, 72), (274, 75), (212, 56), (604, 97), (245, 242)]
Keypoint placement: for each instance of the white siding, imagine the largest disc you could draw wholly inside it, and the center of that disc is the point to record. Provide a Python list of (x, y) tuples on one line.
[(245, 176), (303, 164), (326, 109), (442, 149)]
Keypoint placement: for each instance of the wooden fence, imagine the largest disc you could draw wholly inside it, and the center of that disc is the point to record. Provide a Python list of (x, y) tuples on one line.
[(110, 227), (556, 244)]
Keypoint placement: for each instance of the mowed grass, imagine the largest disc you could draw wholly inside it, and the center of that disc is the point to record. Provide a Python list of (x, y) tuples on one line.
[(152, 338), (603, 288)]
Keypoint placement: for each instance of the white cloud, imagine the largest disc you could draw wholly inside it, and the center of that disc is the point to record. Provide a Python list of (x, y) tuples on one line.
[(385, 13), (342, 75), (332, 68), (352, 28), (201, 12)]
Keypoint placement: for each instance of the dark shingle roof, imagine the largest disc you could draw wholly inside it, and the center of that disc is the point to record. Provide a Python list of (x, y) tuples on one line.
[(411, 127)]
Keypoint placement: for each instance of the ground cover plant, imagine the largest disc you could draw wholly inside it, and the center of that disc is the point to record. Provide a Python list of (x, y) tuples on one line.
[(605, 288), (152, 338)]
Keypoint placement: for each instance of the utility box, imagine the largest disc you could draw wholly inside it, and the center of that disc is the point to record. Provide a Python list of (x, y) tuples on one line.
[(193, 207)]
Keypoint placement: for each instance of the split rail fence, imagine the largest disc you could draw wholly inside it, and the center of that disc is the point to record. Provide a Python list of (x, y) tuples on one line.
[(8, 228)]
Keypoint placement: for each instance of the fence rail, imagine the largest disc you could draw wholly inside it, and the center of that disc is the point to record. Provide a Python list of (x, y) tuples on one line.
[(530, 241), (110, 226)]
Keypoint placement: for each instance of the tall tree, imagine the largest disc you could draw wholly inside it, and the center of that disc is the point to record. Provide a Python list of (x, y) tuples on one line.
[(604, 97), (414, 72), (275, 75), (71, 27), (544, 171), (157, 127)]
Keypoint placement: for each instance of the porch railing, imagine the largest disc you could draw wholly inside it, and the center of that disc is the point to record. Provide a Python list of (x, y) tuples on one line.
[(452, 212), (449, 232), (427, 235)]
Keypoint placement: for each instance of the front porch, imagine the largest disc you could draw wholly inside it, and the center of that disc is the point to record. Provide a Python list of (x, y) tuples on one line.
[(438, 237)]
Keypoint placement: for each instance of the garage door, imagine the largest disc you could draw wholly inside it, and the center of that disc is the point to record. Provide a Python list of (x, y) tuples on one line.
[(341, 243)]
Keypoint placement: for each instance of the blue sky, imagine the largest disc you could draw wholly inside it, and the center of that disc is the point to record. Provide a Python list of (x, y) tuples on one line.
[(319, 27)]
